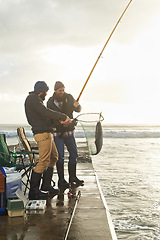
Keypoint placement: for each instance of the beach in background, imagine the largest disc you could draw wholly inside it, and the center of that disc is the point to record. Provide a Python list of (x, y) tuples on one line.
[(128, 168)]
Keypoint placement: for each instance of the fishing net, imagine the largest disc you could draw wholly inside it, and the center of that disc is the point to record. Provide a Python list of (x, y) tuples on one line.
[(91, 124)]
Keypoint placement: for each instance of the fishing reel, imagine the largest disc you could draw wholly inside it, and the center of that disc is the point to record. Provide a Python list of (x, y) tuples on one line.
[(73, 123)]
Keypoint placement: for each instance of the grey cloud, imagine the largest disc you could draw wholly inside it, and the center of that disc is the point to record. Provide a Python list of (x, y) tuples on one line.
[(28, 24), (27, 27)]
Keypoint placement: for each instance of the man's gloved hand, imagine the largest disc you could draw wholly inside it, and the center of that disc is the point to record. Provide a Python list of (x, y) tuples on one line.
[(66, 122)]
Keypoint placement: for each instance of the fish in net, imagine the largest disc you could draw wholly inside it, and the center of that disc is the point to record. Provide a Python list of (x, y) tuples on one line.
[(91, 125)]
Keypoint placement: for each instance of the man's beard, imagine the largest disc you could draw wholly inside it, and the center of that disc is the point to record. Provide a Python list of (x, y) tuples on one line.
[(60, 98), (43, 95)]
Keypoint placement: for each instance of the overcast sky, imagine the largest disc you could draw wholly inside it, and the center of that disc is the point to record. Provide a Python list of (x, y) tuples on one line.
[(60, 40)]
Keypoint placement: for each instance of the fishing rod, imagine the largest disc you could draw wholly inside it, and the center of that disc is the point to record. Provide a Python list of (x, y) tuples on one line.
[(71, 219), (103, 50)]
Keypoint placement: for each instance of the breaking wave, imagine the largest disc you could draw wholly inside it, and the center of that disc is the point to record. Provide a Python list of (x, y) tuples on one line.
[(108, 132), (13, 134), (131, 134)]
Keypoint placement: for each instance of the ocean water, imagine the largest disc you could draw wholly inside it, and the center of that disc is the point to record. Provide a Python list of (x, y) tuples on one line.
[(11, 133), (128, 168)]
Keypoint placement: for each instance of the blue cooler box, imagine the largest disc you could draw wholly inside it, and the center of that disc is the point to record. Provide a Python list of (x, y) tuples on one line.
[(13, 183)]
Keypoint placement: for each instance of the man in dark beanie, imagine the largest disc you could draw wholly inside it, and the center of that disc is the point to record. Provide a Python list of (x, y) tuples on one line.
[(64, 135), (39, 117)]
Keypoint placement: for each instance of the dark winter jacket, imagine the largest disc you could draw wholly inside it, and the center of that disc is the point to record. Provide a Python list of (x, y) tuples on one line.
[(67, 108), (39, 116)]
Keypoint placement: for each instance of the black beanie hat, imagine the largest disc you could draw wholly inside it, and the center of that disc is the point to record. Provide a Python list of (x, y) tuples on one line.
[(58, 85), (40, 87)]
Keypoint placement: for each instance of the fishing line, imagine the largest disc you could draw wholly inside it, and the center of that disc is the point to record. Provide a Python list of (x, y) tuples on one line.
[(103, 50)]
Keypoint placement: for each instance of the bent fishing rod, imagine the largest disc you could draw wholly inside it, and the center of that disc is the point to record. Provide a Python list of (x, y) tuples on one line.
[(103, 50)]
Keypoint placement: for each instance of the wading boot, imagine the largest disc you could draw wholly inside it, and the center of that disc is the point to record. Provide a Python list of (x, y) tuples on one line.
[(46, 184), (62, 183), (35, 193), (73, 180)]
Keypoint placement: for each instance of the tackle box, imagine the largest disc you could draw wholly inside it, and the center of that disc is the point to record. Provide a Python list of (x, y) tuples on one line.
[(15, 207)]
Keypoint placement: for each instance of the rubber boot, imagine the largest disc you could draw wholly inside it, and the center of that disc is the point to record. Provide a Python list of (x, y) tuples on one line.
[(35, 193), (62, 183), (60, 198), (46, 184), (73, 180)]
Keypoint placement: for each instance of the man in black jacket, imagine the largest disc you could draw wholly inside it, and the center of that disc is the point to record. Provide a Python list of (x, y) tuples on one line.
[(64, 135), (39, 117)]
